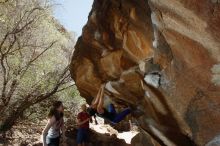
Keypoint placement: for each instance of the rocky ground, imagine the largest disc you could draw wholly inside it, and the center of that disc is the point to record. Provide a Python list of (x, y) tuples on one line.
[(23, 135), (102, 134)]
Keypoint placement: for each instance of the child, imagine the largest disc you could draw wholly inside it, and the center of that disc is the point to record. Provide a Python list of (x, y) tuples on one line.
[(83, 124)]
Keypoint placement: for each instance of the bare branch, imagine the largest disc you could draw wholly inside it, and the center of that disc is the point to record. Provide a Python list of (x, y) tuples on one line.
[(4, 62), (13, 88), (9, 68), (16, 30), (46, 49), (67, 87), (2, 43), (4, 79), (59, 83), (25, 47), (11, 44), (26, 67)]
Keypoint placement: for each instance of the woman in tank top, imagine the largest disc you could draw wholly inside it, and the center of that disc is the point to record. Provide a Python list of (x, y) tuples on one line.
[(55, 124)]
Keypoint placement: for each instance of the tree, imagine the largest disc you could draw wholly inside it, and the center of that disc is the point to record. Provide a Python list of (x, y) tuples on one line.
[(34, 56)]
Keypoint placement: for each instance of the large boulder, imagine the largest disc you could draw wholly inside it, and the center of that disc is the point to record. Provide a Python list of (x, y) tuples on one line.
[(173, 46)]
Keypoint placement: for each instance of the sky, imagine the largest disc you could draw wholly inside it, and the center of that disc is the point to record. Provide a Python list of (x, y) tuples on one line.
[(73, 14)]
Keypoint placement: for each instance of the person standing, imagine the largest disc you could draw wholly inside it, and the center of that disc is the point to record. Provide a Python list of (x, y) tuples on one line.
[(83, 126), (55, 124)]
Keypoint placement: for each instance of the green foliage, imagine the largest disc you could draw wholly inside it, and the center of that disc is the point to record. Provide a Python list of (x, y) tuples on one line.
[(34, 56), (71, 100)]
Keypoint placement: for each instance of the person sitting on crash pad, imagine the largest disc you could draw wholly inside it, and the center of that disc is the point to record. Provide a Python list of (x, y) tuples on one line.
[(109, 113)]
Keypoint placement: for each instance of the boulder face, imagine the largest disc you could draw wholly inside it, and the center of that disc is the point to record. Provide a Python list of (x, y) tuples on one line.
[(173, 46)]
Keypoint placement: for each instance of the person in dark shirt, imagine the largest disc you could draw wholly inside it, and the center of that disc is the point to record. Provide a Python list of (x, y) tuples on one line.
[(83, 126), (109, 113)]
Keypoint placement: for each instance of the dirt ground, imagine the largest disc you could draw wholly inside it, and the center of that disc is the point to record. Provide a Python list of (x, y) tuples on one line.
[(29, 134)]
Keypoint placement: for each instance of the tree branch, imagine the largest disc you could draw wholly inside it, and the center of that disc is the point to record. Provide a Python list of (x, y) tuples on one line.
[(16, 30), (2, 43), (5, 82), (65, 88), (26, 67), (10, 93)]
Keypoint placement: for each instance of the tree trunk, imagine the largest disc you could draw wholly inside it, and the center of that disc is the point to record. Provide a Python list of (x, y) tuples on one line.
[(9, 122)]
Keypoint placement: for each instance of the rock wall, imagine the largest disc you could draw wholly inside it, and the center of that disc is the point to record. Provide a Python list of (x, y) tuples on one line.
[(171, 45)]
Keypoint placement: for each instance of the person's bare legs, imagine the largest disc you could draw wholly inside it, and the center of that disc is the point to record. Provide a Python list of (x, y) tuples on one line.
[(100, 109), (96, 100)]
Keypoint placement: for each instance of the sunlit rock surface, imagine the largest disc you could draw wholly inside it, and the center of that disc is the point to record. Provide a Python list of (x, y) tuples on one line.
[(95, 139), (109, 138), (172, 45)]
